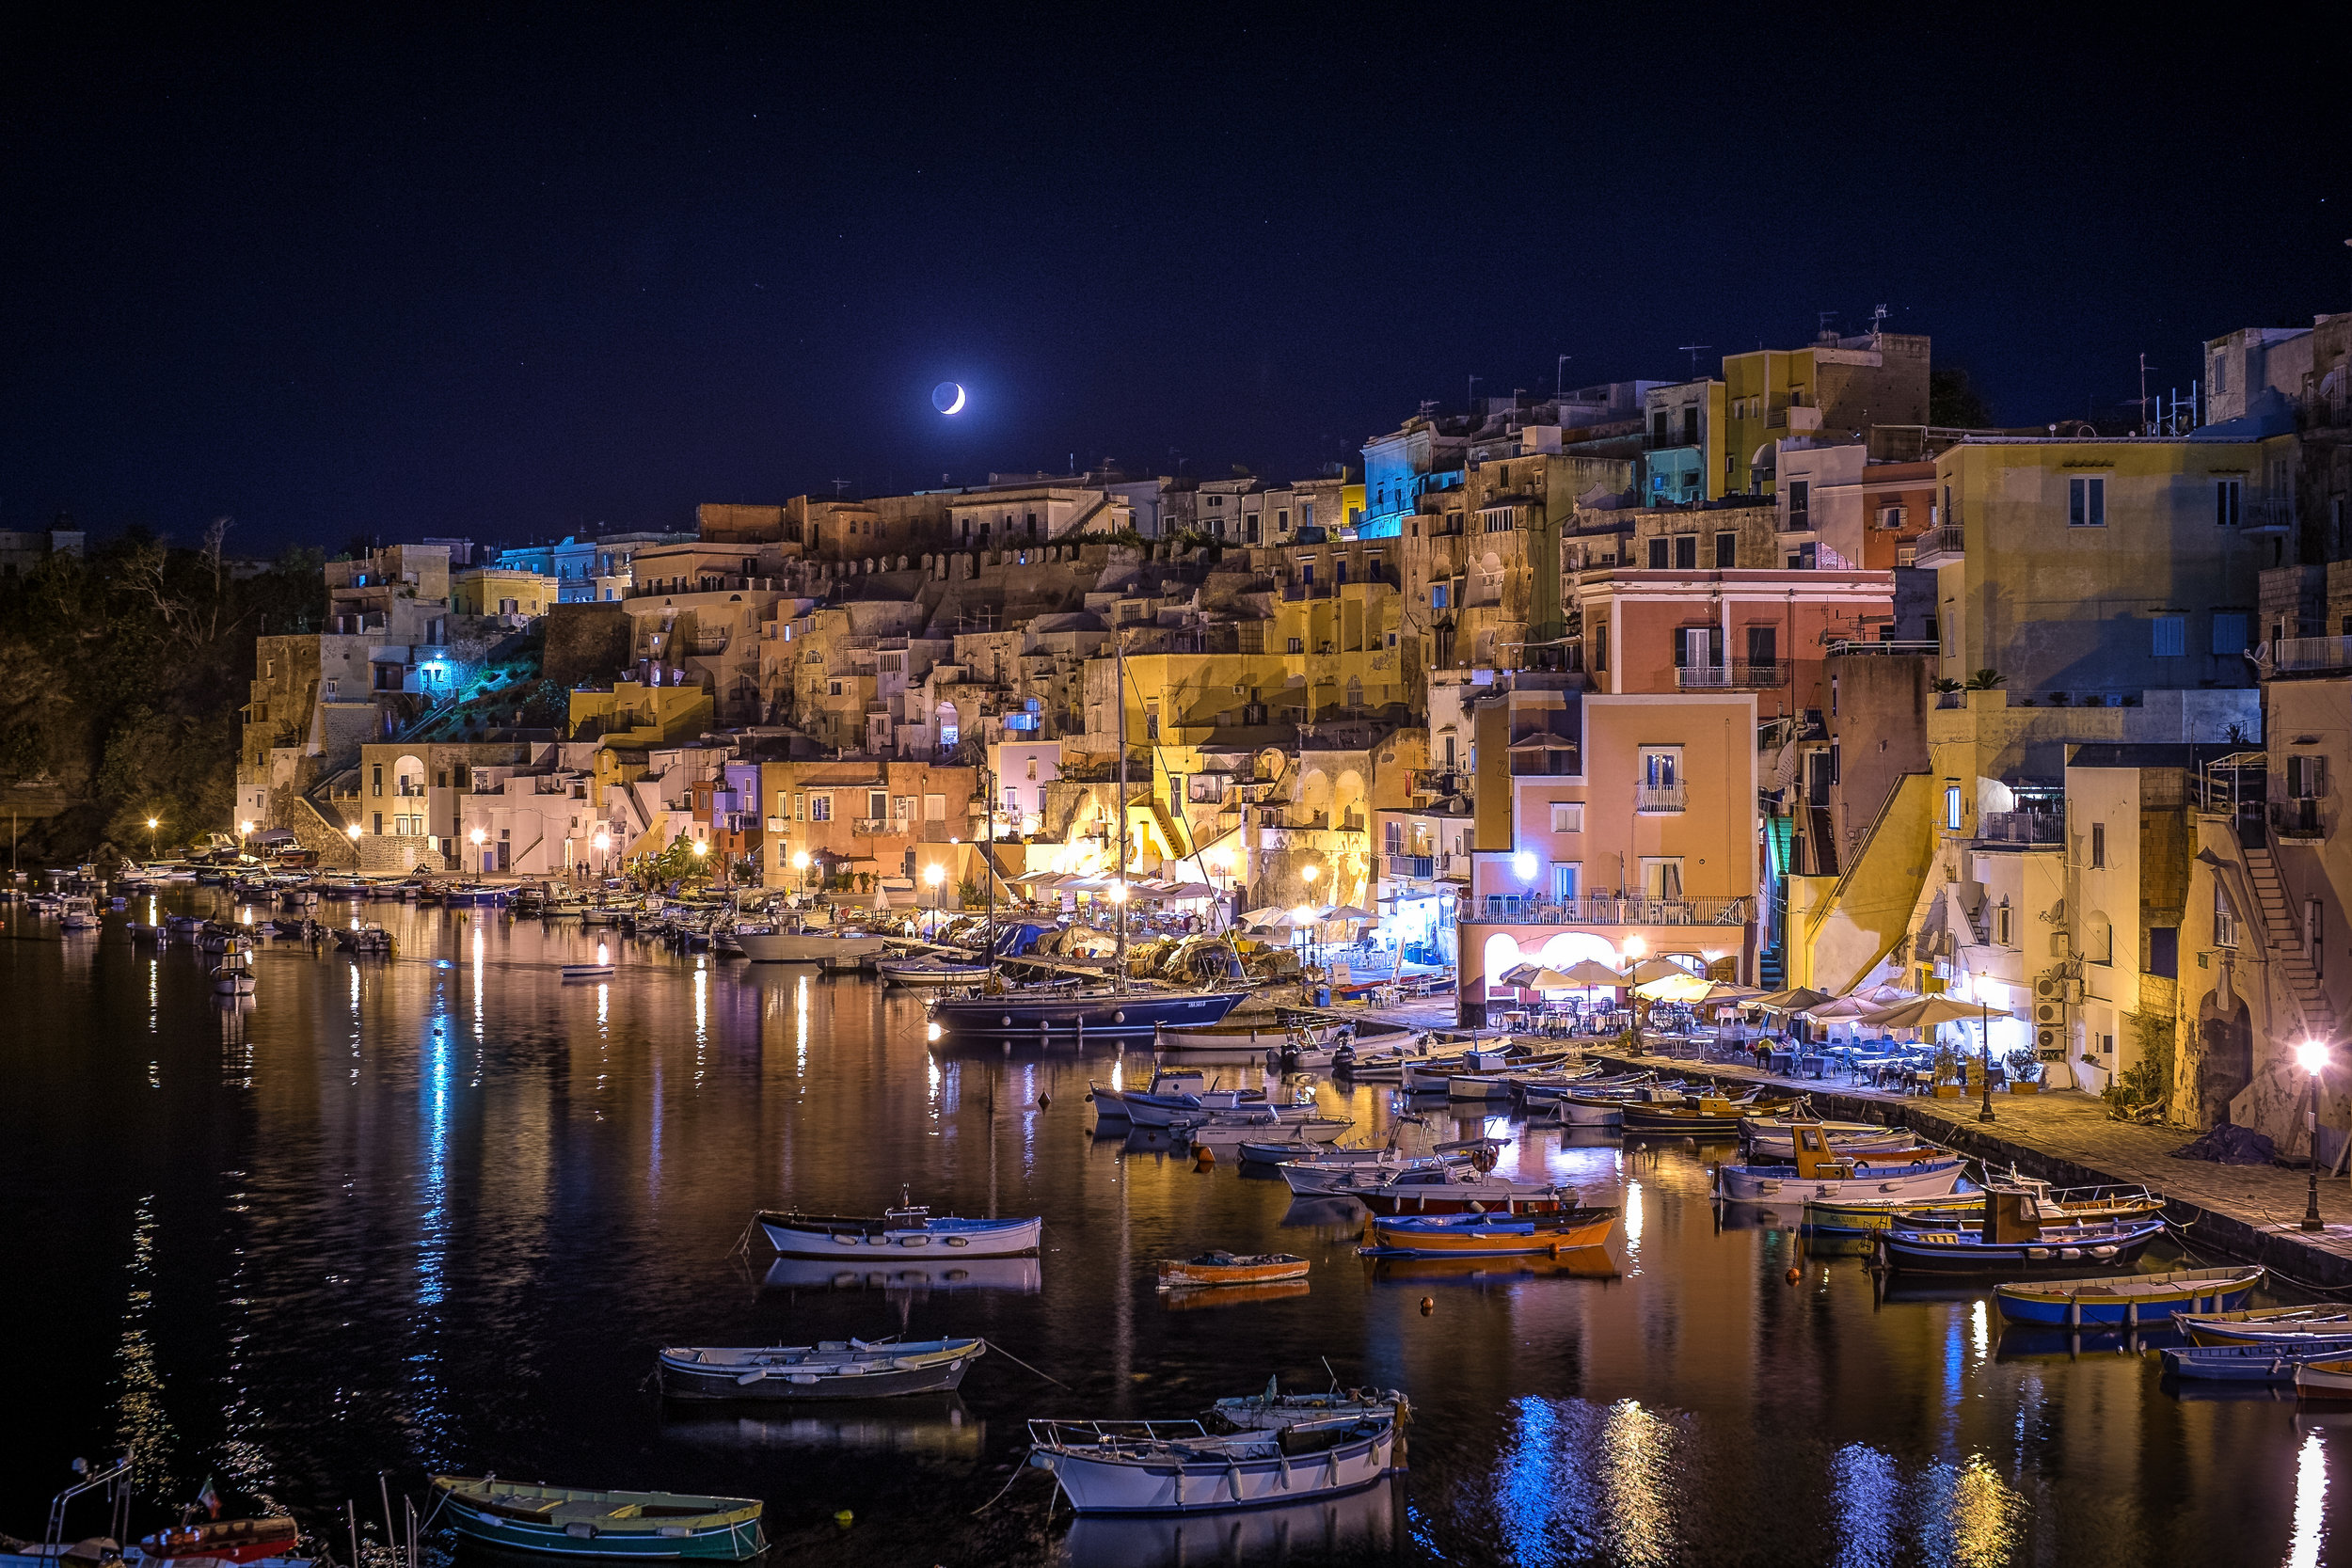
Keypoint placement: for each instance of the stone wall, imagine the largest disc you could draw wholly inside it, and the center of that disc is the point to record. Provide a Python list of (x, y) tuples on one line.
[(586, 644)]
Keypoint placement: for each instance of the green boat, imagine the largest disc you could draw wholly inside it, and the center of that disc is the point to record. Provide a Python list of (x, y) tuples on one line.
[(559, 1521)]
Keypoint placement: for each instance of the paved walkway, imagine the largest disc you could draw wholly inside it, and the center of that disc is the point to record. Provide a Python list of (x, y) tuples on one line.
[(2250, 1212)]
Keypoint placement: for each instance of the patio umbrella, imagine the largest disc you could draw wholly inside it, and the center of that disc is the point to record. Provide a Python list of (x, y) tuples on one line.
[(1550, 980), (1681, 985), (1840, 1008), (1591, 972), (1269, 915), (1925, 1012), (1658, 969), (1793, 1000), (1519, 975), (1349, 911)]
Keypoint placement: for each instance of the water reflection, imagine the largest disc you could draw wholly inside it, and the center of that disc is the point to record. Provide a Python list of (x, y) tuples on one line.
[(1579, 1480), (929, 1428), (141, 1424), (1361, 1526), (977, 1273), (2311, 1504)]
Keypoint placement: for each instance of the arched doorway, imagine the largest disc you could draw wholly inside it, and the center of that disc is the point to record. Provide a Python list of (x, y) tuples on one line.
[(2225, 1057)]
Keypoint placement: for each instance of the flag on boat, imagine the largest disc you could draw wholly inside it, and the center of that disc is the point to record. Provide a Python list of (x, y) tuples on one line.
[(210, 1499)]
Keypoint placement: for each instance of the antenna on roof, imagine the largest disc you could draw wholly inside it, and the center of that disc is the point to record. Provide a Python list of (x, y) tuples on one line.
[(1826, 317), (1560, 374), (1473, 394), (1694, 350), (1878, 319), (838, 486)]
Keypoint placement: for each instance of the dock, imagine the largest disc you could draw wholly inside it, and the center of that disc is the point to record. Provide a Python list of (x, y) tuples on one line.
[(2252, 1213)]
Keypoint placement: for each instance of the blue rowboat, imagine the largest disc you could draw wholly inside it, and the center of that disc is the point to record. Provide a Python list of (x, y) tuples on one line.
[(1098, 1015), (2126, 1300), (2271, 1364), (559, 1521), (909, 1233), (2055, 1250), (2269, 1325)]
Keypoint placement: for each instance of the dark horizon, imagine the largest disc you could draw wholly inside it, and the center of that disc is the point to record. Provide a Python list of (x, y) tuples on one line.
[(551, 272)]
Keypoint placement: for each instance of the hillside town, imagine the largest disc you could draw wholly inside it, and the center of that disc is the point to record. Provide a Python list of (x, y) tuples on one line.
[(1762, 669)]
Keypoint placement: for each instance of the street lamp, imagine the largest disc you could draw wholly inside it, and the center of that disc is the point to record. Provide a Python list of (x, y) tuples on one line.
[(2311, 1056), (933, 874), (475, 838), (151, 824), (800, 868)]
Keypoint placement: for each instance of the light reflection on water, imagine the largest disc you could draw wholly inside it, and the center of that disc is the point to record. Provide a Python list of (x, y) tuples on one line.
[(463, 1254)]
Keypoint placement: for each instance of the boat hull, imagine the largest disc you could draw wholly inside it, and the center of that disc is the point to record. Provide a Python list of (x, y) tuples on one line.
[(2147, 1299), (1165, 1483), (805, 947), (1771, 1183), (1959, 1252), (931, 1372), (2272, 1364), (1107, 1016), (863, 1241), (728, 1536), (1547, 1235)]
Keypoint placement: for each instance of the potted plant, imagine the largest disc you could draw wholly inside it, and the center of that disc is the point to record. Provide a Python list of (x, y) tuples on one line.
[(2023, 1067)]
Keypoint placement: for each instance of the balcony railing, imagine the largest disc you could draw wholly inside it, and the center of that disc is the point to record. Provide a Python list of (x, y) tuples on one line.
[(2297, 818), (1507, 909), (2022, 827), (1731, 677), (1418, 867), (1938, 544), (2291, 655), (2273, 515), (1658, 800), (410, 791), (873, 827)]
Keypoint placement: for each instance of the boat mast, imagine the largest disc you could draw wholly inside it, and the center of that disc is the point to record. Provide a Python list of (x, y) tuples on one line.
[(988, 797), (1119, 906)]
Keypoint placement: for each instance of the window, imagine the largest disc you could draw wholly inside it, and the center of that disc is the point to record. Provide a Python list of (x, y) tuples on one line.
[(2229, 632), (1661, 876), (2229, 496), (2098, 847), (799, 808), (1952, 808), (1690, 424), (2171, 635), (1564, 880), (1890, 516), (1600, 646), (1799, 503), (376, 783), (1567, 816), (1657, 428), (1437, 596), (2307, 775), (1661, 768), (2001, 930), (1763, 644), (2224, 919), (1657, 555), (1298, 645), (876, 803), (2164, 951), (2087, 503), (820, 808), (1726, 551), (1686, 552)]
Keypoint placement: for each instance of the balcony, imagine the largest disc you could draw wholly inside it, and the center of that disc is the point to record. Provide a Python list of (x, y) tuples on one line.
[(2303, 656), (2021, 827), (1437, 780), (408, 791), (873, 827), (1941, 545), (1732, 677), (1660, 799), (1508, 909), (1419, 868), (2275, 515), (2297, 820)]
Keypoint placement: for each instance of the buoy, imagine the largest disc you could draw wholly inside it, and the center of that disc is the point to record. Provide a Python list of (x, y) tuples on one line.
[(1428, 1306), (1043, 1101), (843, 1518), (1203, 1157), (1792, 1277)]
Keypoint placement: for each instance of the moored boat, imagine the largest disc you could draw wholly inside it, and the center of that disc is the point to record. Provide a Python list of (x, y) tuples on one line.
[(1705, 1116), (579, 1522), (808, 948), (2266, 1364), (1818, 1172), (2264, 1325), (2127, 1300), (589, 971), (896, 1233), (227, 1539), (1489, 1235), (1182, 1467), (1255, 1037), (1101, 1015), (1224, 1268), (829, 1370), (2325, 1379)]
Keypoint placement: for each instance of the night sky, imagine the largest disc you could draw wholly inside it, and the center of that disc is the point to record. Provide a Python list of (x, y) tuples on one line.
[(529, 272)]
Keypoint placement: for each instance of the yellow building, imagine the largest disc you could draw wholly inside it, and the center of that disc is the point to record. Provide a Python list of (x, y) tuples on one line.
[(502, 590), (631, 716)]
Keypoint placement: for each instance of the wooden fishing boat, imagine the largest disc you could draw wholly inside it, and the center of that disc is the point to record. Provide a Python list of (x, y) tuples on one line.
[(1489, 1235), (2126, 1300), (1256, 1038), (1182, 1467), (1172, 1110), (1273, 1410), (921, 974), (589, 971), (1707, 1117), (2325, 1379), (2265, 1325), (559, 1521), (1226, 1128), (1437, 1189), (1772, 1137), (1818, 1171), (2265, 1364), (898, 1233), (2040, 1250), (1863, 1216), (227, 1539), (1224, 1268), (829, 1370)]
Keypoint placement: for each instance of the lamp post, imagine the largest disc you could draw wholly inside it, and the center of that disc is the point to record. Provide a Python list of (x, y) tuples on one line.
[(800, 868), (475, 838), (245, 831), (602, 844), (2311, 1056), (934, 875), (151, 824)]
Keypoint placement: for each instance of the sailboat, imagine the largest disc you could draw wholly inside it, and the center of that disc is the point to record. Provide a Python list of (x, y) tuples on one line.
[(1119, 1011)]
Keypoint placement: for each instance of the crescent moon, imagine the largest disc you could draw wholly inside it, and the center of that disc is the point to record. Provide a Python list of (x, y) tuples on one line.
[(959, 403)]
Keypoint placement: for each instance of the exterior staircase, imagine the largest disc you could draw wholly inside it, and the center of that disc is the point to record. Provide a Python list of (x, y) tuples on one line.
[(2282, 934)]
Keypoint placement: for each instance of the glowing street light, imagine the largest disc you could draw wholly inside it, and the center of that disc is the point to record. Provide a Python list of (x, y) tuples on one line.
[(2312, 1057), (151, 824), (702, 847), (933, 874), (354, 831)]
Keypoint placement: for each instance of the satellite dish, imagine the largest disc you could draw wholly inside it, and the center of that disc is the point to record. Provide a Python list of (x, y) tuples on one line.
[(947, 397)]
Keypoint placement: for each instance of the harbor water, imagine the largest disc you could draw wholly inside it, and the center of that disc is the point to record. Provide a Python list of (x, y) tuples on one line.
[(436, 1211)]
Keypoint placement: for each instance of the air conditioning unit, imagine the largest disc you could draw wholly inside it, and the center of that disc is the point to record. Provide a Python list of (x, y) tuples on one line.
[(2047, 987), (2073, 993), (2046, 1040), (2049, 1013)]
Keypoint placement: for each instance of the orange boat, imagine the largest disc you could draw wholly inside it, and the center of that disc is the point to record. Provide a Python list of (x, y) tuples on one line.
[(1224, 1268), (1491, 1235)]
